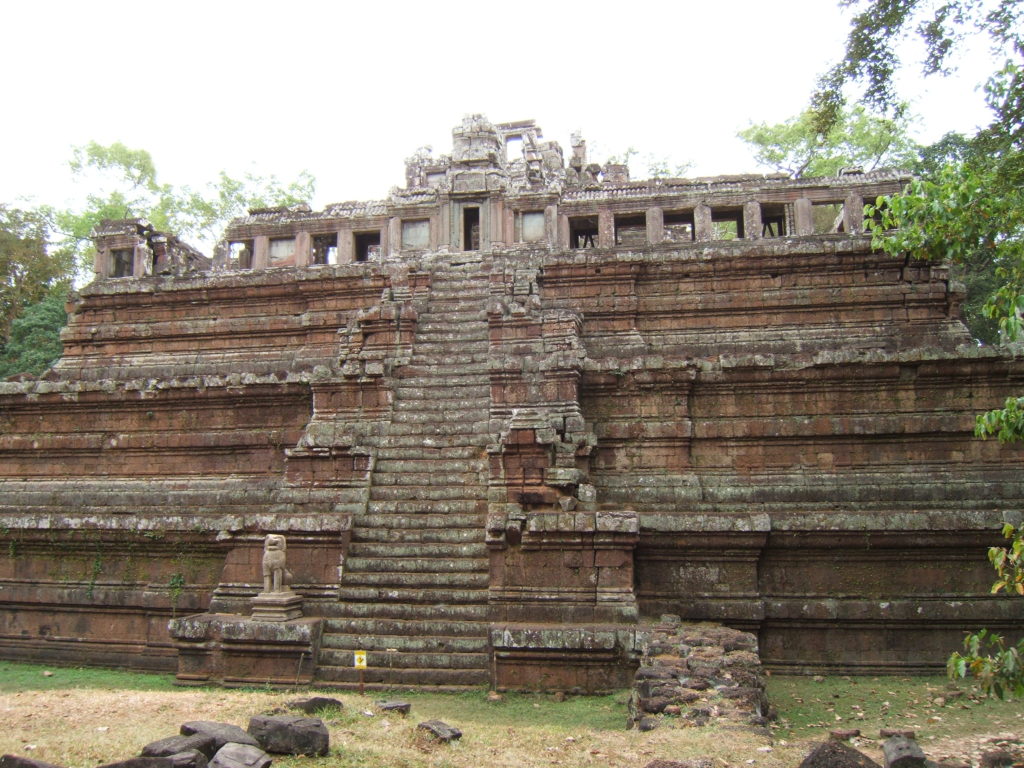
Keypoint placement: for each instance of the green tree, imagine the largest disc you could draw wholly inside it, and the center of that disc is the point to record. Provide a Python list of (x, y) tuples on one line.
[(124, 184), (855, 138), (970, 207), (34, 343), (28, 269)]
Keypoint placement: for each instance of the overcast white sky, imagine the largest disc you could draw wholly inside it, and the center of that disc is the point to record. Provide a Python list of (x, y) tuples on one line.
[(348, 90)]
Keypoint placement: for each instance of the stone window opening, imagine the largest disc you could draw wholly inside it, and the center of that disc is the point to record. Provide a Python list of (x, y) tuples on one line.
[(366, 245), (727, 224), (631, 229), (773, 221), (122, 262), (471, 228), (678, 226), (282, 249), (530, 227), (513, 148), (415, 234), (828, 218), (325, 249), (582, 232), (240, 253)]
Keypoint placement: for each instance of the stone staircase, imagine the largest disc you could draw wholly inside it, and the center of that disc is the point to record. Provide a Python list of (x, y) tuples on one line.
[(414, 588)]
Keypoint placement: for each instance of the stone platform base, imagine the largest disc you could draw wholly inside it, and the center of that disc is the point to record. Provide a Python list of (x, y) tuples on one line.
[(572, 657), (237, 650), (276, 606)]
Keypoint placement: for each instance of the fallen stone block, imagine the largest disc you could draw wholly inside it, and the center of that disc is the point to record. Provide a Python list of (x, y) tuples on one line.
[(836, 754), (174, 745), (222, 733), (191, 758), (441, 731), (901, 752), (141, 762), (401, 707), (233, 755), (290, 734), (702, 762), (16, 761), (315, 704)]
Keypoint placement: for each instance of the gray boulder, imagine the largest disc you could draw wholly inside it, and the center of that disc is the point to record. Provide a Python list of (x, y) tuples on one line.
[(16, 761), (222, 733), (315, 704), (290, 734), (172, 745), (837, 754), (191, 758), (901, 752), (141, 762), (233, 755), (401, 707), (441, 731)]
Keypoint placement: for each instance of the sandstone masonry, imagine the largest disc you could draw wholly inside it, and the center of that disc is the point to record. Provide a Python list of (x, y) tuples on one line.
[(502, 417)]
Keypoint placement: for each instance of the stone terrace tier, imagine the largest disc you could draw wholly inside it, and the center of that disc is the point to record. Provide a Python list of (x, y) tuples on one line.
[(504, 416)]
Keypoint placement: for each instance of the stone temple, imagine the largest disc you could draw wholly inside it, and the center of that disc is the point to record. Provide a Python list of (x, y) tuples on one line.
[(505, 418)]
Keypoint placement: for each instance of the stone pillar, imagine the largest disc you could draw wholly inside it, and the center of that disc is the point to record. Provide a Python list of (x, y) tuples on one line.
[(803, 216), (394, 237), (702, 230), (655, 225), (509, 220), (142, 260), (853, 214), (752, 220), (551, 224), (563, 231), (605, 229), (346, 246), (101, 263), (260, 252), (303, 249), (435, 231), (492, 230)]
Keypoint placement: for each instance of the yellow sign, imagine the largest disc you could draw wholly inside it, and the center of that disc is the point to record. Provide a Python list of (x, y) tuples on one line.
[(359, 659)]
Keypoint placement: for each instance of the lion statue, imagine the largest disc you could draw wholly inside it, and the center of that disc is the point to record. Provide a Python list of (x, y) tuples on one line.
[(276, 577)]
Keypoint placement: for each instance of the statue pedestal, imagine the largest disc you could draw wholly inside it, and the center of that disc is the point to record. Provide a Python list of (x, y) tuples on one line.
[(277, 606)]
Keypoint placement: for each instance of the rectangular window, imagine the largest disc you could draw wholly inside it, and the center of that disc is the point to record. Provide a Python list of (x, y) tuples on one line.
[(366, 245), (727, 223), (325, 249), (533, 230), (631, 229), (122, 260), (583, 232), (471, 228), (773, 221), (678, 226), (416, 234), (241, 254), (828, 218), (282, 251)]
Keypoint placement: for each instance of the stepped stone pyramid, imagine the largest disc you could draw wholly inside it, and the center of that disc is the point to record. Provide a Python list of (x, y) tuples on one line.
[(505, 419)]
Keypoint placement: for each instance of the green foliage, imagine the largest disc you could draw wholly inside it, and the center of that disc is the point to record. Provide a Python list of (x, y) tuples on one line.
[(998, 669), (34, 343), (125, 184), (855, 138), (15, 676), (28, 270)]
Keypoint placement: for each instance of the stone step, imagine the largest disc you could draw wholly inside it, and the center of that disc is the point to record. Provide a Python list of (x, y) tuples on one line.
[(415, 549), (379, 657), (415, 493), (414, 565), (414, 579), (436, 390), (380, 678), (431, 442), (438, 478), (424, 506), (431, 597), (420, 453), (449, 358), (426, 643), (405, 627), (409, 376), (419, 535), (439, 430), (481, 345), (442, 414), (419, 464), (412, 611), (421, 521)]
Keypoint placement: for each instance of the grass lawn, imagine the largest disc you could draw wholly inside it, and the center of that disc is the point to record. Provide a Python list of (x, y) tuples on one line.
[(83, 717)]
